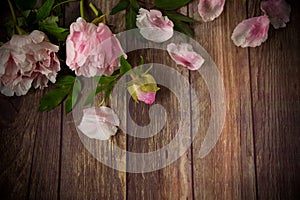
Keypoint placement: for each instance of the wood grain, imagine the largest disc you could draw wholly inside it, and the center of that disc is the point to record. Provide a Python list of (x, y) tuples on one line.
[(44, 178), (228, 171), (156, 184), (82, 176), (17, 146), (275, 81), (173, 181), (256, 157)]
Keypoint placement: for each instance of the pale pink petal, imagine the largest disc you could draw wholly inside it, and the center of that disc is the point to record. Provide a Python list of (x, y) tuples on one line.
[(210, 9), (147, 98), (92, 50), (26, 61), (153, 26), (183, 54), (278, 11), (251, 32), (99, 123)]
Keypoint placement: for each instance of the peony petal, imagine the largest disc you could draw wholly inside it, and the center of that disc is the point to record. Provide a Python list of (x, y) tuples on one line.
[(37, 36), (210, 9), (251, 32), (99, 123), (183, 54), (92, 50), (278, 11), (153, 26)]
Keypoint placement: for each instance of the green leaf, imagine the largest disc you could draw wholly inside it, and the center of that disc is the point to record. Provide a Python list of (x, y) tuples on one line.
[(130, 19), (65, 80), (25, 13), (183, 27), (73, 96), (51, 20), (179, 17), (106, 79), (108, 92), (31, 18), (67, 87), (100, 13), (134, 4), (125, 66), (69, 103), (25, 4), (10, 28), (44, 10), (170, 4), (122, 5), (59, 33), (21, 21), (53, 98)]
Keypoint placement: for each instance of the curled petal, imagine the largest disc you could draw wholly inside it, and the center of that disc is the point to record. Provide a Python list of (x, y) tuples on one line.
[(183, 54), (251, 32), (99, 123), (153, 26), (210, 9), (278, 11)]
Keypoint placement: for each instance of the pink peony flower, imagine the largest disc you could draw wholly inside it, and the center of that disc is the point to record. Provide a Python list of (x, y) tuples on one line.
[(143, 88), (92, 50), (27, 60), (153, 26), (251, 32), (183, 54), (278, 11), (99, 123), (210, 9)]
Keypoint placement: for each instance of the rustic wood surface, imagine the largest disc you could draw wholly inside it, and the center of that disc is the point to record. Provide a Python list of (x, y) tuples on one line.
[(256, 157)]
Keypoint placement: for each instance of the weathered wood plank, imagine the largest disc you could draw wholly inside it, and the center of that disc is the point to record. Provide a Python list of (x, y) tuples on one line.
[(228, 171), (17, 141), (82, 176), (275, 80), (173, 181), (44, 178)]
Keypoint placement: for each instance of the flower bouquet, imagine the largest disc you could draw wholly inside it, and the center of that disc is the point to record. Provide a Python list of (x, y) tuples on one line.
[(37, 51)]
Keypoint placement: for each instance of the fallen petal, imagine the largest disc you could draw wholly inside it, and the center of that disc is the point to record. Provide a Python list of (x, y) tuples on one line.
[(153, 26), (183, 54), (251, 32), (210, 9), (99, 123), (278, 11)]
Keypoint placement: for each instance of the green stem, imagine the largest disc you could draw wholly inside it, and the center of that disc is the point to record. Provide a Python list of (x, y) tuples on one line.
[(12, 12), (64, 2), (19, 30), (146, 72), (94, 9), (102, 103), (81, 9)]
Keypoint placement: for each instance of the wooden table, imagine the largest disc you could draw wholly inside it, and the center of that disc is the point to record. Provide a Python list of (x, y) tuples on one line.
[(256, 157)]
